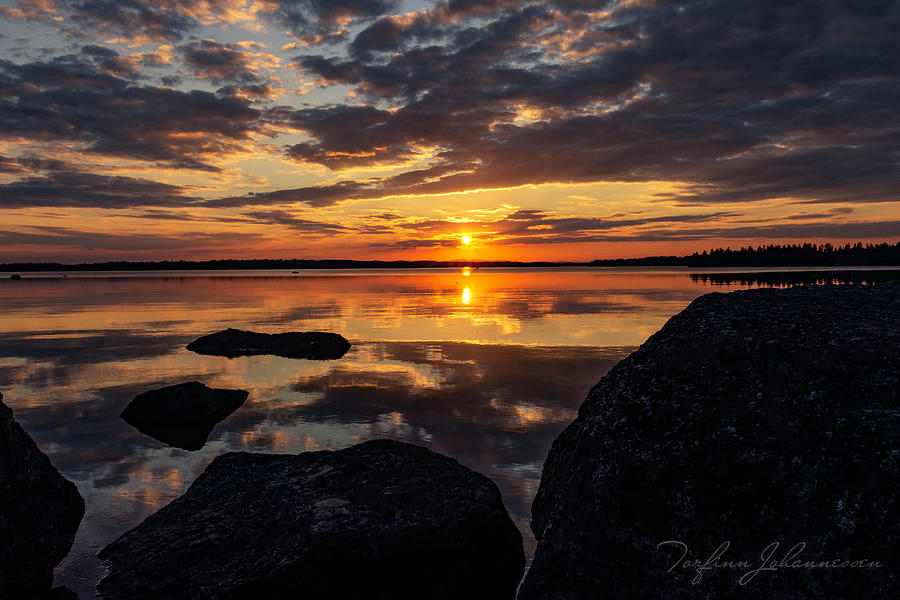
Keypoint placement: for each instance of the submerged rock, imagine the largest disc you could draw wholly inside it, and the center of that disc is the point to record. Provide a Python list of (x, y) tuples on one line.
[(307, 344), (182, 415), (381, 519), (40, 511), (752, 418)]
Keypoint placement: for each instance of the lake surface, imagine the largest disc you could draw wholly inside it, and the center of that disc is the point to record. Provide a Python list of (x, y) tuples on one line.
[(485, 365)]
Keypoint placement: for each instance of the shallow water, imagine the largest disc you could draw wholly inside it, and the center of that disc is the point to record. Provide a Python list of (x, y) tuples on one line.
[(486, 366)]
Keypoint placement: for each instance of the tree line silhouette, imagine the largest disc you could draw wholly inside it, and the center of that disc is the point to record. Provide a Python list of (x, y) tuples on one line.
[(796, 255)]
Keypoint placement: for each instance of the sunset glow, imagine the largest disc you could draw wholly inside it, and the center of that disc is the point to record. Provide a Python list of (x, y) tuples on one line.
[(427, 129)]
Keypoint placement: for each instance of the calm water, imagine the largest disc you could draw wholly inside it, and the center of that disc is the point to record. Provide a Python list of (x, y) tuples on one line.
[(486, 366)]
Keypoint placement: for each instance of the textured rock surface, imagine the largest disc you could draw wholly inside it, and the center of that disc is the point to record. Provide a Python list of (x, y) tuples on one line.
[(40, 511), (751, 418), (378, 520), (182, 415), (296, 344)]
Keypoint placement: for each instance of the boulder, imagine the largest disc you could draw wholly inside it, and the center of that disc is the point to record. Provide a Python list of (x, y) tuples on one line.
[(755, 426), (182, 415), (381, 519), (297, 344), (40, 511)]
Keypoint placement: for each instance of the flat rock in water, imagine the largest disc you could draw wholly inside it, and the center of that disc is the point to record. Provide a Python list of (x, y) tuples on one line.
[(297, 344), (40, 511), (381, 519), (182, 415), (752, 418)]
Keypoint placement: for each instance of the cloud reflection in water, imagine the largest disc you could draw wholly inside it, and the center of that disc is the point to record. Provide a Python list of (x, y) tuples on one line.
[(490, 381)]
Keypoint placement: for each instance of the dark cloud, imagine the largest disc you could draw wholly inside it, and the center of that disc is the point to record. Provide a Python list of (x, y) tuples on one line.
[(326, 20), (295, 223), (9, 165), (840, 230), (155, 20), (412, 244), (212, 60), (537, 226), (804, 231), (73, 188), (739, 101), (316, 196), (250, 90), (541, 222), (69, 99), (182, 215), (530, 226), (111, 62), (232, 62), (134, 242), (736, 102), (132, 19), (312, 20)]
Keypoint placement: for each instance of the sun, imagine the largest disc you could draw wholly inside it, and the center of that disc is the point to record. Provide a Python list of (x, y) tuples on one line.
[(466, 240)]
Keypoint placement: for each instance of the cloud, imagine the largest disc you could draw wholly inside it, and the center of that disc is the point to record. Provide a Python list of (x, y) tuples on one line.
[(728, 103), (74, 100), (538, 227), (9, 165), (314, 21), (532, 226), (412, 244), (111, 62), (741, 102), (79, 189), (235, 62), (295, 223), (140, 20), (139, 241), (315, 196)]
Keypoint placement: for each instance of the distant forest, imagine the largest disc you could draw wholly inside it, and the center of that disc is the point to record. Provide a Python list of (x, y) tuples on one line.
[(799, 255)]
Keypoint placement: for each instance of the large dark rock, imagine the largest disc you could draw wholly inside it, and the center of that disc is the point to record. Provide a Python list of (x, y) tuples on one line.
[(182, 415), (752, 418), (40, 511), (378, 520), (296, 344)]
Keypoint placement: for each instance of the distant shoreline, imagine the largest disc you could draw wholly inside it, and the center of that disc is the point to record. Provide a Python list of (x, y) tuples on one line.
[(306, 265), (398, 265), (223, 265), (774, 255)]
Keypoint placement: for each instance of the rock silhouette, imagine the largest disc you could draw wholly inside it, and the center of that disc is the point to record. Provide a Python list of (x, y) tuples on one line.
[(235, 342), (182, 415), (40, 511), (752, 418), (381, 519)]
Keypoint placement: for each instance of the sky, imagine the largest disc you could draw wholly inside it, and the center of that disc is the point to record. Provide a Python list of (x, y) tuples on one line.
[(448, 129)]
